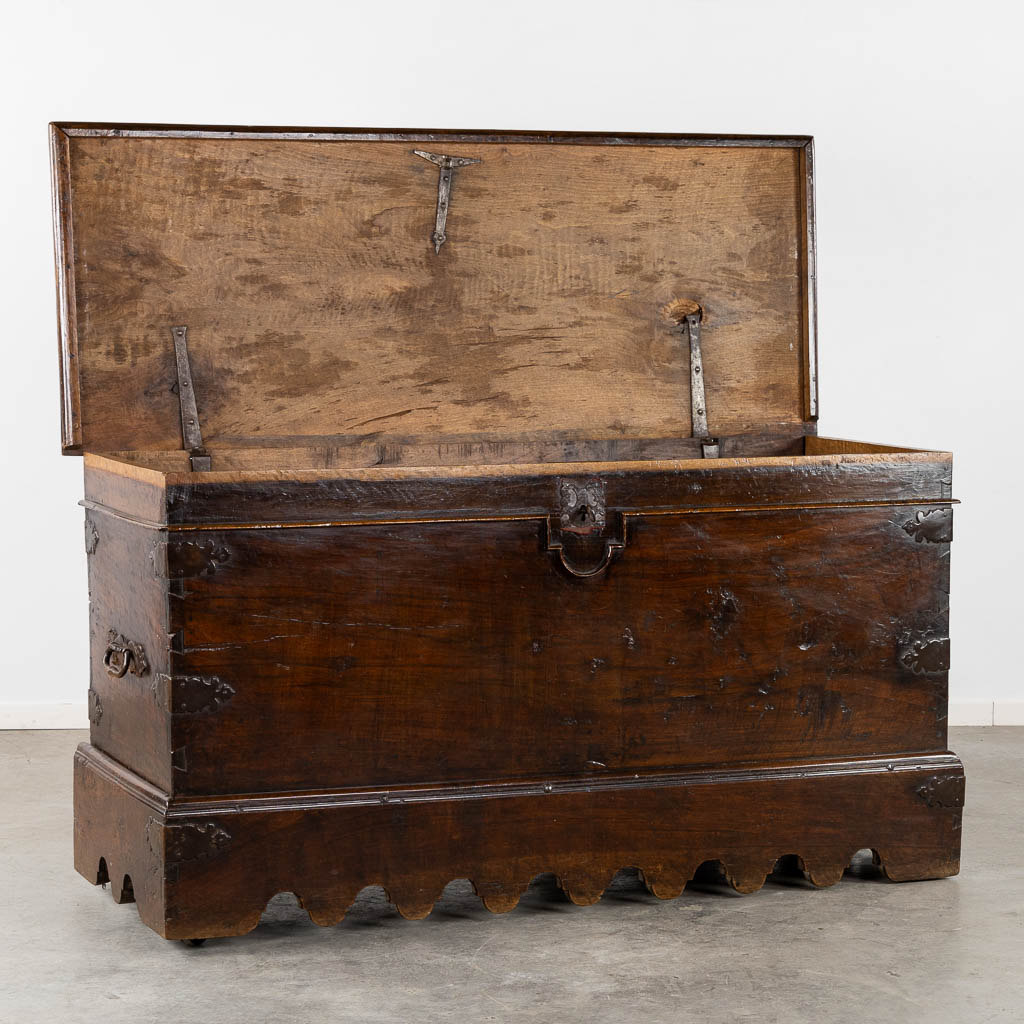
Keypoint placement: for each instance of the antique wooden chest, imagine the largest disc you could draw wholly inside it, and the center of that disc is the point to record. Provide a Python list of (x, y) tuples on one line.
[(455, 509)]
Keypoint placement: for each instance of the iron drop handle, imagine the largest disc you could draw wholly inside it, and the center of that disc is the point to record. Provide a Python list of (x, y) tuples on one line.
[(123, 656)]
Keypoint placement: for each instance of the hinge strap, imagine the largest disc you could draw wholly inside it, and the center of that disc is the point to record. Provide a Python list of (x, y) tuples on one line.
[(191, 435), (698, 401)]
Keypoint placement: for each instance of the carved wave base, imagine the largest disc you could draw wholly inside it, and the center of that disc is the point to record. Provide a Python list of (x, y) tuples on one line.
[(203, 869)]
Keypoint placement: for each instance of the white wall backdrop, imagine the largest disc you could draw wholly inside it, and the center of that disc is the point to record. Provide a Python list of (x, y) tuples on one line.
[(916, 108)]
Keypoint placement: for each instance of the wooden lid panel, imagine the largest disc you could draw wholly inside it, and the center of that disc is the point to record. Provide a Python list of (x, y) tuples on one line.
[(317, 307)]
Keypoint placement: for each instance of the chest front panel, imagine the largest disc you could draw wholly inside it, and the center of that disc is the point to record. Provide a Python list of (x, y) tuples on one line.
[(395, 655)]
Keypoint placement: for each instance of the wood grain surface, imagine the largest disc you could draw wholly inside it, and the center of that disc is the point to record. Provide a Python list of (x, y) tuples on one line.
[(204, 870), (159, 489), (371, 644), (717, 635), (411, 653), (317, 307), (126, 596)]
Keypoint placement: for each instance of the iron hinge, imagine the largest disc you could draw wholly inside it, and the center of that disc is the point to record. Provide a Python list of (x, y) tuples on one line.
[(445, 175), (191, 435), (709, 446)]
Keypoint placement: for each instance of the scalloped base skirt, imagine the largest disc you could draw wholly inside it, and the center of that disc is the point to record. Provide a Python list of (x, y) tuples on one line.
[(202, 868)]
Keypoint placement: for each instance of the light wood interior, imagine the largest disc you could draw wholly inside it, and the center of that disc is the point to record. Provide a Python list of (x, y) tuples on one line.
[(322, 324), (257, 463)]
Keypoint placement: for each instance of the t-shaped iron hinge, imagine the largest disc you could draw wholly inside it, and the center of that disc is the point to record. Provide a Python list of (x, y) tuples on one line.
[(445, 172), (191, 435)]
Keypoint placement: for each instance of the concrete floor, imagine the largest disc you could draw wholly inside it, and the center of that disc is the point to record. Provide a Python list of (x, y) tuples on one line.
[(866, 949)]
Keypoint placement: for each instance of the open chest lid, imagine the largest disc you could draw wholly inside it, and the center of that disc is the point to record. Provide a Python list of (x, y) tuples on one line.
[(383, 291)]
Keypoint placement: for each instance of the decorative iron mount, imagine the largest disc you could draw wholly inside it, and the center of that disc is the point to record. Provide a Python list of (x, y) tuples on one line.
[(445, 172), (583, 528)]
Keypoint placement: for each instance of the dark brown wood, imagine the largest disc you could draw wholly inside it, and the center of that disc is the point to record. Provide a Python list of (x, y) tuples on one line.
[(67, 303), (126, 597), (522, 626), (429, 663), (95, 129), (868, 473), (706, 642), (220, 863)]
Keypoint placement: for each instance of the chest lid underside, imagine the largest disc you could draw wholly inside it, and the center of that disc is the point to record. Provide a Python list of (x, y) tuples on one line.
[(375, 291)]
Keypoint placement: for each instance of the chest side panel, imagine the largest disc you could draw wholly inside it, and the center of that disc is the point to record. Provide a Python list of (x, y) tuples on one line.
[(414, 653), (128, 647)]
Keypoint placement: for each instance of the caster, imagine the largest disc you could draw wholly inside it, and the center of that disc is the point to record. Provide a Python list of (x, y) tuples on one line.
[(193, 942)]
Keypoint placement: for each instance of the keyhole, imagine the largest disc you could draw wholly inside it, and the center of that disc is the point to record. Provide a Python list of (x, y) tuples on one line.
[(583, 515)]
